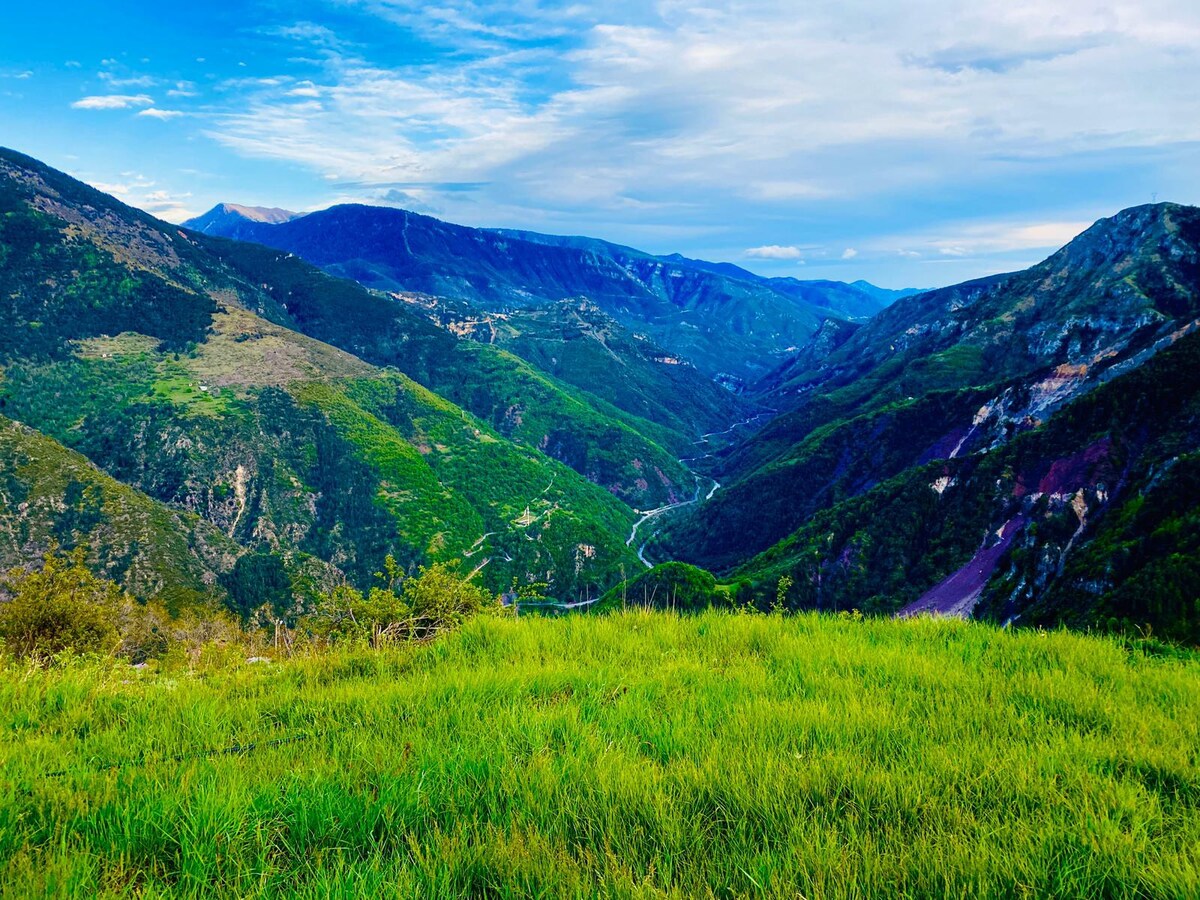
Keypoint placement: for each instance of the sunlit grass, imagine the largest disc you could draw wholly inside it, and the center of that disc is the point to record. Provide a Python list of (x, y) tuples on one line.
[(639, 754)]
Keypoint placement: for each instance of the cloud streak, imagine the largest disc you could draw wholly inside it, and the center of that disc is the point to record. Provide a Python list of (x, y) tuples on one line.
[(138, 190), (113, 101), (762, 97)]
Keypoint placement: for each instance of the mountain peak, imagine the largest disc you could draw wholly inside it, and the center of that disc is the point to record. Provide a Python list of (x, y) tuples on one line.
[(272, 214), (1149, 230), (224, 216)]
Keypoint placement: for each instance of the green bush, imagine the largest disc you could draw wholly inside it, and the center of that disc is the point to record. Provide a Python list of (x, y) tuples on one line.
[(64, 607), (400, 607), (674, 585), (441, 599), (61, 607)]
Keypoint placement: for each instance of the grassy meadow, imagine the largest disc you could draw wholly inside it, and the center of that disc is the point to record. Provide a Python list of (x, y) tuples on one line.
[(640, 754)]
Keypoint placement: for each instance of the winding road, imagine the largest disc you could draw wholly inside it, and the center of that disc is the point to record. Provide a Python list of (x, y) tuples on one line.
[(716, 485), (647, 516)]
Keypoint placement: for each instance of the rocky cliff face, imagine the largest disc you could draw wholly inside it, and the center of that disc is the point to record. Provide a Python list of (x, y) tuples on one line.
[(974, 441), (1113, 291)]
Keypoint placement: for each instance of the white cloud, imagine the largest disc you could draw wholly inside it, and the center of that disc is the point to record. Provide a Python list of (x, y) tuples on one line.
[(377, 125), (304, 89), (128, 81), (133, 182), (849, 253), (113, 101), (784, 190), (981, 240), (310, 32), (1047, 234), (1004, 237), (156, 113), (320, 37), (773, 251), (487, 25), (779, 103), (139, 191), (731, 118)]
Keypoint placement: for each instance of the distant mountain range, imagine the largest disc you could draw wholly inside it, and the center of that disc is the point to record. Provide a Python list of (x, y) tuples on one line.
[(719, 317), (220, 421)]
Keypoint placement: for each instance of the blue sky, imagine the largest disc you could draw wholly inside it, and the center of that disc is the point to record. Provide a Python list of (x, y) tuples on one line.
[(916, 143)]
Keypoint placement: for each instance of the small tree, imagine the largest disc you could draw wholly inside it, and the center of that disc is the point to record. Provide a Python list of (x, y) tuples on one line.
[(782, 589), (146, 632), (346, 614), (63, 606), (399, 607), (440, 599)]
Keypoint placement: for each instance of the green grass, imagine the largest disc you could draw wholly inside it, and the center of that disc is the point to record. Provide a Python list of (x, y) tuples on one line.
[(638, 754), (181, 389)]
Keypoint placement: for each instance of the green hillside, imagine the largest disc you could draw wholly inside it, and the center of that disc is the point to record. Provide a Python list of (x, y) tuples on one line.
[(636, 755), (180, 372), (832, 463), (578, 343), (674, 586), (722, 318), (80, 264), (1017, 448), (49, 494), (344, 469), (607, 445), (1000, 448), (1034, 339)]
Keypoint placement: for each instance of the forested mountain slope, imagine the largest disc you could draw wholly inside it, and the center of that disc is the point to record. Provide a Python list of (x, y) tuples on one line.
[(576, 342), (177, 365), (51, 495), (1019, 447)]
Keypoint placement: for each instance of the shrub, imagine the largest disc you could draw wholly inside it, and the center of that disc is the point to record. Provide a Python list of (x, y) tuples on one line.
[(400, 607), (674, 585), (150, 631), (61, 607), (65, 607), (440, 599)]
